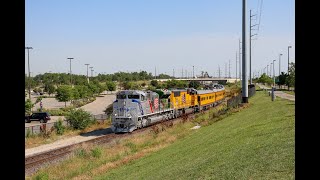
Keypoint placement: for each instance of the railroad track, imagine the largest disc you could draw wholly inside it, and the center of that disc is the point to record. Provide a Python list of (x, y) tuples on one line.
[(39, 160), (36, 161)]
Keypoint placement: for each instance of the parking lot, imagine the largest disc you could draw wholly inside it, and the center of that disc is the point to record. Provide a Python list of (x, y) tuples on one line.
[(96, 107)]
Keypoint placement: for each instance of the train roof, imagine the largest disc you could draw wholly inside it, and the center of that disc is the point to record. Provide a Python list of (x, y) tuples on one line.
[(209, 91), (205, 91), (131, 92)]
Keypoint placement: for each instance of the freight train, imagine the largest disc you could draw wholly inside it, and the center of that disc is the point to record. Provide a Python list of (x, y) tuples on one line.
[(135, 109)]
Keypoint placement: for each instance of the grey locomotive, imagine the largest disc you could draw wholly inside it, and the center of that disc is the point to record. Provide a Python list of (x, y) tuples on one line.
[(134, 109)]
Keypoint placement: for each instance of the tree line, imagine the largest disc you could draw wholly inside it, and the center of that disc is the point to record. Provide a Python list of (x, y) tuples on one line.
[(287, 79)]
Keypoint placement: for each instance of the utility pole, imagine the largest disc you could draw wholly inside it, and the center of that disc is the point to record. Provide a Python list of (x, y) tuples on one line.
[(173, 73), (288, 58), (182, 73), (219, 71), (29, 80), (236, 66), (155, 72), (70, 72), (244, 63), (225, 70), (229, 69), (267, 69), (193, 75), (240, 62), (250, 44), (87, 72)]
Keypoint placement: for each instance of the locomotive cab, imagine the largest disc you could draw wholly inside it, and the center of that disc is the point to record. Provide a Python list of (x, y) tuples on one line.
[(126, 109)]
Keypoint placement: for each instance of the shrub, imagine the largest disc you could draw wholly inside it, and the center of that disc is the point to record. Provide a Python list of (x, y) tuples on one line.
[(79, 119), (42, 176), (28, 106), (81, 153), (59, 127), (96, 152)]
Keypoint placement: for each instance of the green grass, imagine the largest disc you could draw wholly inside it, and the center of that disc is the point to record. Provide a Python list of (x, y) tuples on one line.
[(256, 143), (289, 92)]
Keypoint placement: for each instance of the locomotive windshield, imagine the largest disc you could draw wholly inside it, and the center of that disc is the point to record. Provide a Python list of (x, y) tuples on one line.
[(121, 96), (133, 96)]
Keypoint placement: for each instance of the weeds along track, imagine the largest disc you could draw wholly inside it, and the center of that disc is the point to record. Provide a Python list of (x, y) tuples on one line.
[(34, 162), (39, 160)]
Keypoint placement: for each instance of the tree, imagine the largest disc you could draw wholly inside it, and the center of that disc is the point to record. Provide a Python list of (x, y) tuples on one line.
[(101, 87), (290, 81), (83, 91), (130, 85), (282, 79), (49, 88), (93, 88), (111, 86), (28, 106), (154, 83), (75, 93), (194, 84), (265, 79), (64, 94)]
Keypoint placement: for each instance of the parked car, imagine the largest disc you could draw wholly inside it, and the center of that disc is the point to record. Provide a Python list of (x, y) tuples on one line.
[(43, 117)]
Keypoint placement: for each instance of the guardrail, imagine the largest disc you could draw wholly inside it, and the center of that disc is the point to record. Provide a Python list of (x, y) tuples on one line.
[(46, 127)]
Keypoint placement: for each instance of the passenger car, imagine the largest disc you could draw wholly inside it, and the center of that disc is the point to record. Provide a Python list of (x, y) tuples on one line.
[(43, 117)]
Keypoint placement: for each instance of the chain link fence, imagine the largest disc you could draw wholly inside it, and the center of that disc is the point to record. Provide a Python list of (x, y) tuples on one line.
[(236, 100)]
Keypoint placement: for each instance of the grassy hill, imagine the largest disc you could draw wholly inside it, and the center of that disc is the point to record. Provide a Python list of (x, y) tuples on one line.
[(256, 143)]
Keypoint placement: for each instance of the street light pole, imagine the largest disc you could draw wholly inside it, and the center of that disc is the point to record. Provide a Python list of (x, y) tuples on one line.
[(288, 58), (279, 68), (70, 72), (29, 84), (274, 80), (87, 72), (193, 75), (280, 63), (236, 66)]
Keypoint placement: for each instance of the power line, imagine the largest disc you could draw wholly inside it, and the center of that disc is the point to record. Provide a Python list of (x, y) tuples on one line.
[(260, 14)]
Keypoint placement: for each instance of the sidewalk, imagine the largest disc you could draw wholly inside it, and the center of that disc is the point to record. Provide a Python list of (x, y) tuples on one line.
[(278, 93)]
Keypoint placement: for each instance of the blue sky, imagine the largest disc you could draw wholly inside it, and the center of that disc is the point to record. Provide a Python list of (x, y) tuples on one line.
[(127, 35)]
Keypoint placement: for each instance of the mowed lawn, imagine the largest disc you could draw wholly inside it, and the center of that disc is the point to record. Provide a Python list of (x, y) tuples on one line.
[(255, 143)]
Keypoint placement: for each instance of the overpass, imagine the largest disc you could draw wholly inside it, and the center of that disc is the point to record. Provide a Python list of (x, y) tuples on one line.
[(214, 79)]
